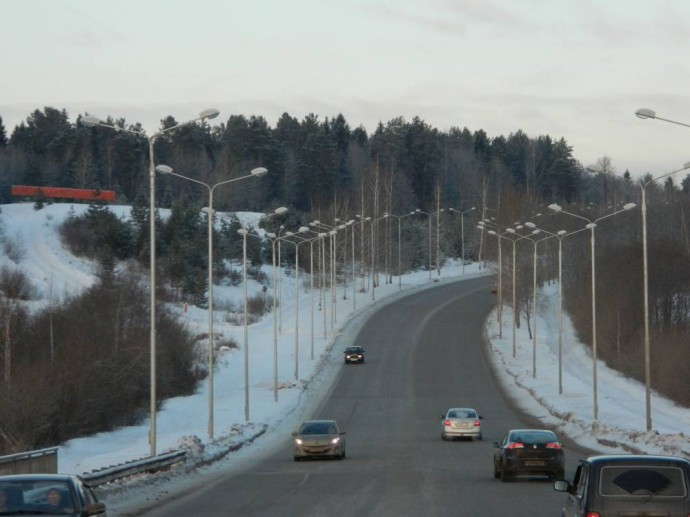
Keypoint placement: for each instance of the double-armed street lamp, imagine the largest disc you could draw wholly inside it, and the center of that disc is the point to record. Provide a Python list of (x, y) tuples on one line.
[(516, 314), (647, 350), (244, 232), (298, 240), (646, 113), (536, 231), (399, 218), (93, 121), (276, 239), (429, 216), (591, 225), (500, 235), (361, 221), (462, 231), (210, 212)]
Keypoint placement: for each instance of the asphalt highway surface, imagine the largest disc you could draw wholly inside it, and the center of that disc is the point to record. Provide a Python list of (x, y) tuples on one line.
[(425, 353)]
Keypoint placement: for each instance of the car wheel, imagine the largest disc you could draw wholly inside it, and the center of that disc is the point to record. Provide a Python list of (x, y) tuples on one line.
[(559, 475), (443, 437), (505, 475), (497, 473), (297, 458)]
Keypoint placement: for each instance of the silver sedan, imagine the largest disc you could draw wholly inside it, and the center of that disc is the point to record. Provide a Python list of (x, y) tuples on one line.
[(461, 423), (319, 439)]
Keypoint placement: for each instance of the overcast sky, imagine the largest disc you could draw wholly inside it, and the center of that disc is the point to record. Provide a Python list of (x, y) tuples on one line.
[(571, 69)]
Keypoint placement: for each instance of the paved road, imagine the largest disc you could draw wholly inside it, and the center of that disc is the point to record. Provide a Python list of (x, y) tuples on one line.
[(425, 353)]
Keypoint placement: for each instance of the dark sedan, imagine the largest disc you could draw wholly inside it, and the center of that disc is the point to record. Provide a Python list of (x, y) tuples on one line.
[(354, 354), (48, 494), (529, 452)]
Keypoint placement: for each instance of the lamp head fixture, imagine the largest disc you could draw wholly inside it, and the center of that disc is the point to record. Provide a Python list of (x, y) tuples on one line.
[(645, 113)]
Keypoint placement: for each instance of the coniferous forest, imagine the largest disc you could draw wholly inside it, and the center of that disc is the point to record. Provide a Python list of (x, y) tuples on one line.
[(320, 169)]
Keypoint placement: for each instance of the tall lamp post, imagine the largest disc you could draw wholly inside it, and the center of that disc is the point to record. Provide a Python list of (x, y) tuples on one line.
[(591, 225), (646, 113), (647, 351), (535, 231), (516, 237), (210, 212), (429, 231), (361, 250), (300, 240), (276, 240), (399, 218), (244, 233), (92, 121), (462, 231), (500, 277)]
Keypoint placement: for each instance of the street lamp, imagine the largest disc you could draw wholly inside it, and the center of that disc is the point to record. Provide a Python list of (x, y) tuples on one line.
[(462, 232), (429, 252), (535, 231), (300, 240), (591, 225), (92, 121), (244, 232), (374, 275), (399, 218), (500, 277), (276, 239), (210, 212), (647, 357), (646, 113), (516, 237), (361, 248)]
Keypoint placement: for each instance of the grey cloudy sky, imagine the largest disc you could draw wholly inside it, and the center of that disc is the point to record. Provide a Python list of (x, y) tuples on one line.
[(576, 69)]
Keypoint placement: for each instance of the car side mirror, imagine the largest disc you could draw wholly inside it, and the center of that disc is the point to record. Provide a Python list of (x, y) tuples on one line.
[(343, 432), (94, 508), (495, 444), (294, 433), (562, 486)]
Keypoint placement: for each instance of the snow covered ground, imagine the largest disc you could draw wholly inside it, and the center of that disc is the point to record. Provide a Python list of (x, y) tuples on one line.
[(182, 422)]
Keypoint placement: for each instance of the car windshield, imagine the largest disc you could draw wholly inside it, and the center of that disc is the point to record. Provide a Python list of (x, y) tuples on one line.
[(536, 437), (642, 480), (353, 350), (318, 428), (46, 497)]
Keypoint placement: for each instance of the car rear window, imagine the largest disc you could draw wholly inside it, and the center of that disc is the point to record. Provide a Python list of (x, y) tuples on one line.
[(534, 437), (642, 480)]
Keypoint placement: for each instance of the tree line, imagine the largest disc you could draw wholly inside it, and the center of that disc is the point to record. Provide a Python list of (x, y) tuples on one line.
[(325, 170)]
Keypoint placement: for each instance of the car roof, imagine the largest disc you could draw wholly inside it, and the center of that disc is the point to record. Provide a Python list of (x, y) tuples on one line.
[(319, 422), (355, 346), (462, 409), (635, 458), (38, 477)]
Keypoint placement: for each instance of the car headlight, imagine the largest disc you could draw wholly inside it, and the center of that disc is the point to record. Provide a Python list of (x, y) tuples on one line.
[(298, 441), (335, 441)]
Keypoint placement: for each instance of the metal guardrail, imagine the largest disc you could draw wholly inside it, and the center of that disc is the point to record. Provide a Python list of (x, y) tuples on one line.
[(41, 460), (151, 464)]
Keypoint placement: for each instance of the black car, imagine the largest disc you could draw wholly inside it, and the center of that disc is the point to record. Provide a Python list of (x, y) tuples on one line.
[(48, 494), (354, 354), (628, 484), (529, 452)]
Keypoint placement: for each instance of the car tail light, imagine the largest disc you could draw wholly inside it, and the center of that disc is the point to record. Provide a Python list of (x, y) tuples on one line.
[(516, 446), (476, 423), (554, 445), (446, 422), (596, 514)]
